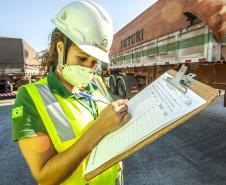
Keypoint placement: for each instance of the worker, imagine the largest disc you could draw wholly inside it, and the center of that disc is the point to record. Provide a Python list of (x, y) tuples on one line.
[(54, 121)]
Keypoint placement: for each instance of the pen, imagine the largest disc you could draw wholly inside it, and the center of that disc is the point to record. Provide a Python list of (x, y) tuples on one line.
[(90, 97)]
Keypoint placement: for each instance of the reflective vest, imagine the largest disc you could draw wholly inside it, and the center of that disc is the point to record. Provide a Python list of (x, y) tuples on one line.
[(65, 122)]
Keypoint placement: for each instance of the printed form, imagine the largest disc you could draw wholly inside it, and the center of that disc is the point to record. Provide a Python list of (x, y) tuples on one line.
[(155, 107)]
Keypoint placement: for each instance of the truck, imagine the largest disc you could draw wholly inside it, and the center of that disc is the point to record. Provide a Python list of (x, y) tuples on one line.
[(18, 65), (167, 35)]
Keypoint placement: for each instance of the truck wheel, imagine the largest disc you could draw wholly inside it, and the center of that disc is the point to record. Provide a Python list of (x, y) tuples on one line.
[(127, 86), (112, 84), (121, 89)]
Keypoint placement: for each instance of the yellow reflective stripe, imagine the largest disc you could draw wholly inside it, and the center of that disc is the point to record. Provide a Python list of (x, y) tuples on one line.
[(119, 179), (101, 86), (81, 129), (102, 83), (56, 113), (70, 114), (101, 93), (37, 99)]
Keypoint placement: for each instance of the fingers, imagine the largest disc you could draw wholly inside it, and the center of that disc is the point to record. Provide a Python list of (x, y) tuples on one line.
[(119, 102), (121, 108), (120, 105), (126, 118)]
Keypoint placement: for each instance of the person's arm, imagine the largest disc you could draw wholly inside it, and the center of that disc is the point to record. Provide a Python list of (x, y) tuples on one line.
[(50, 168)]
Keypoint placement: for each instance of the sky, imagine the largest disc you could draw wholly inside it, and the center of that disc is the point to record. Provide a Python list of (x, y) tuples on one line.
[(31, 19)]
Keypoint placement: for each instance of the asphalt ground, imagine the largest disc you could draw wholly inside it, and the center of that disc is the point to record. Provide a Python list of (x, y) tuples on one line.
[(192, 154)]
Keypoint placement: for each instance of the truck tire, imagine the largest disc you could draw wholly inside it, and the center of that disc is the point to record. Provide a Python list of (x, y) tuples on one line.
[(121, 88), (112, 84), (125, 85)]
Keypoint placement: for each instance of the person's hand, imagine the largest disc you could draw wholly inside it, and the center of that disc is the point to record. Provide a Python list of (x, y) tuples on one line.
[(113, 117)]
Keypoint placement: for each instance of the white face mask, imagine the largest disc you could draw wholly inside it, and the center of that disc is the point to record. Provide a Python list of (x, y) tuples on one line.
[(77, 75)]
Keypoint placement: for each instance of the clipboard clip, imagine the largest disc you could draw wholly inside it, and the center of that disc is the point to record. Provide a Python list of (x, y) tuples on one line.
[(181, 81)]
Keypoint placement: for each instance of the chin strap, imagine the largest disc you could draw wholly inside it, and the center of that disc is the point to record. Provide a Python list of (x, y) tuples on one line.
[(65, 49), (67, 43)]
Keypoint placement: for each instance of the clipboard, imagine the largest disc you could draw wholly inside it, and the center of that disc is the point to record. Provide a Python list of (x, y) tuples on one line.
[(181, 82)]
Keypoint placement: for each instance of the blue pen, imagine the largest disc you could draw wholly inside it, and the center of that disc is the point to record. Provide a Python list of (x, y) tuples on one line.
[(90, 97)]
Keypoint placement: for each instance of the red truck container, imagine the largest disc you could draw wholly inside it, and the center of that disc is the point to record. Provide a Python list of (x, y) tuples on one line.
[(167, 35)]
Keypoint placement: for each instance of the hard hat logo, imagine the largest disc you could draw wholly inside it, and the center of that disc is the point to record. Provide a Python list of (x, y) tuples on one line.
[(100, 46), (64, 15), (104, 43)]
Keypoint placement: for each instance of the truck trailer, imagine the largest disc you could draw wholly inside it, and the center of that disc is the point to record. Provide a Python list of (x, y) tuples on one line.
[(18, 64), (167, 35)]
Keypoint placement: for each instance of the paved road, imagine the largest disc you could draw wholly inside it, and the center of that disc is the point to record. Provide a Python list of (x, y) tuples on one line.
[(192, 154)]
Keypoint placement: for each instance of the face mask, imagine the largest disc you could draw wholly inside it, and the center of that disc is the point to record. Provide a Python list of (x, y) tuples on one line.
[(77, 75)]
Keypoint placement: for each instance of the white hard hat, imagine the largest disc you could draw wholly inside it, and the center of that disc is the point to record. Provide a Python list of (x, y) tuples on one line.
[(87, 25)]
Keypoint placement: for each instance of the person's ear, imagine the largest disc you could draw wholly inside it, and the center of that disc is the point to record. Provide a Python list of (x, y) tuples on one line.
[(60, 51)]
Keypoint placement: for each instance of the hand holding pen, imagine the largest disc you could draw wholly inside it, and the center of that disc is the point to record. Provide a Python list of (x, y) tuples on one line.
[(112, 117)]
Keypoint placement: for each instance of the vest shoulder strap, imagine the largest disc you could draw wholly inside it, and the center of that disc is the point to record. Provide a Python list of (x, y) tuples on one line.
[(97, 80), (52, 114)]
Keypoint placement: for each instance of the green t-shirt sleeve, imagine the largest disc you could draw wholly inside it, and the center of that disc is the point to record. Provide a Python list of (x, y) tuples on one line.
[(26, 121)]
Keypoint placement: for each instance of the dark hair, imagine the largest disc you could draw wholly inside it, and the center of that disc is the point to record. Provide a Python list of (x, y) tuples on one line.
[(49, 57)]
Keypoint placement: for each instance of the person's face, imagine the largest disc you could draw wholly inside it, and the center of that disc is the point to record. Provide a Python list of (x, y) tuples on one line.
[(76, 56)]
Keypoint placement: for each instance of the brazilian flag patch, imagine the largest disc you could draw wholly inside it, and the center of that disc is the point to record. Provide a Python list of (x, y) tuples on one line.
[(17, 112)]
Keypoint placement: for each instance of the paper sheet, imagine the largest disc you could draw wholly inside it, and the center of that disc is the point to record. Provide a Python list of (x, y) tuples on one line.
[(155, 107)]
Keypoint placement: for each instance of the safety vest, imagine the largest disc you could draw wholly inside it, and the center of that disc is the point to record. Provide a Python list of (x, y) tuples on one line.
[(65, 122)]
